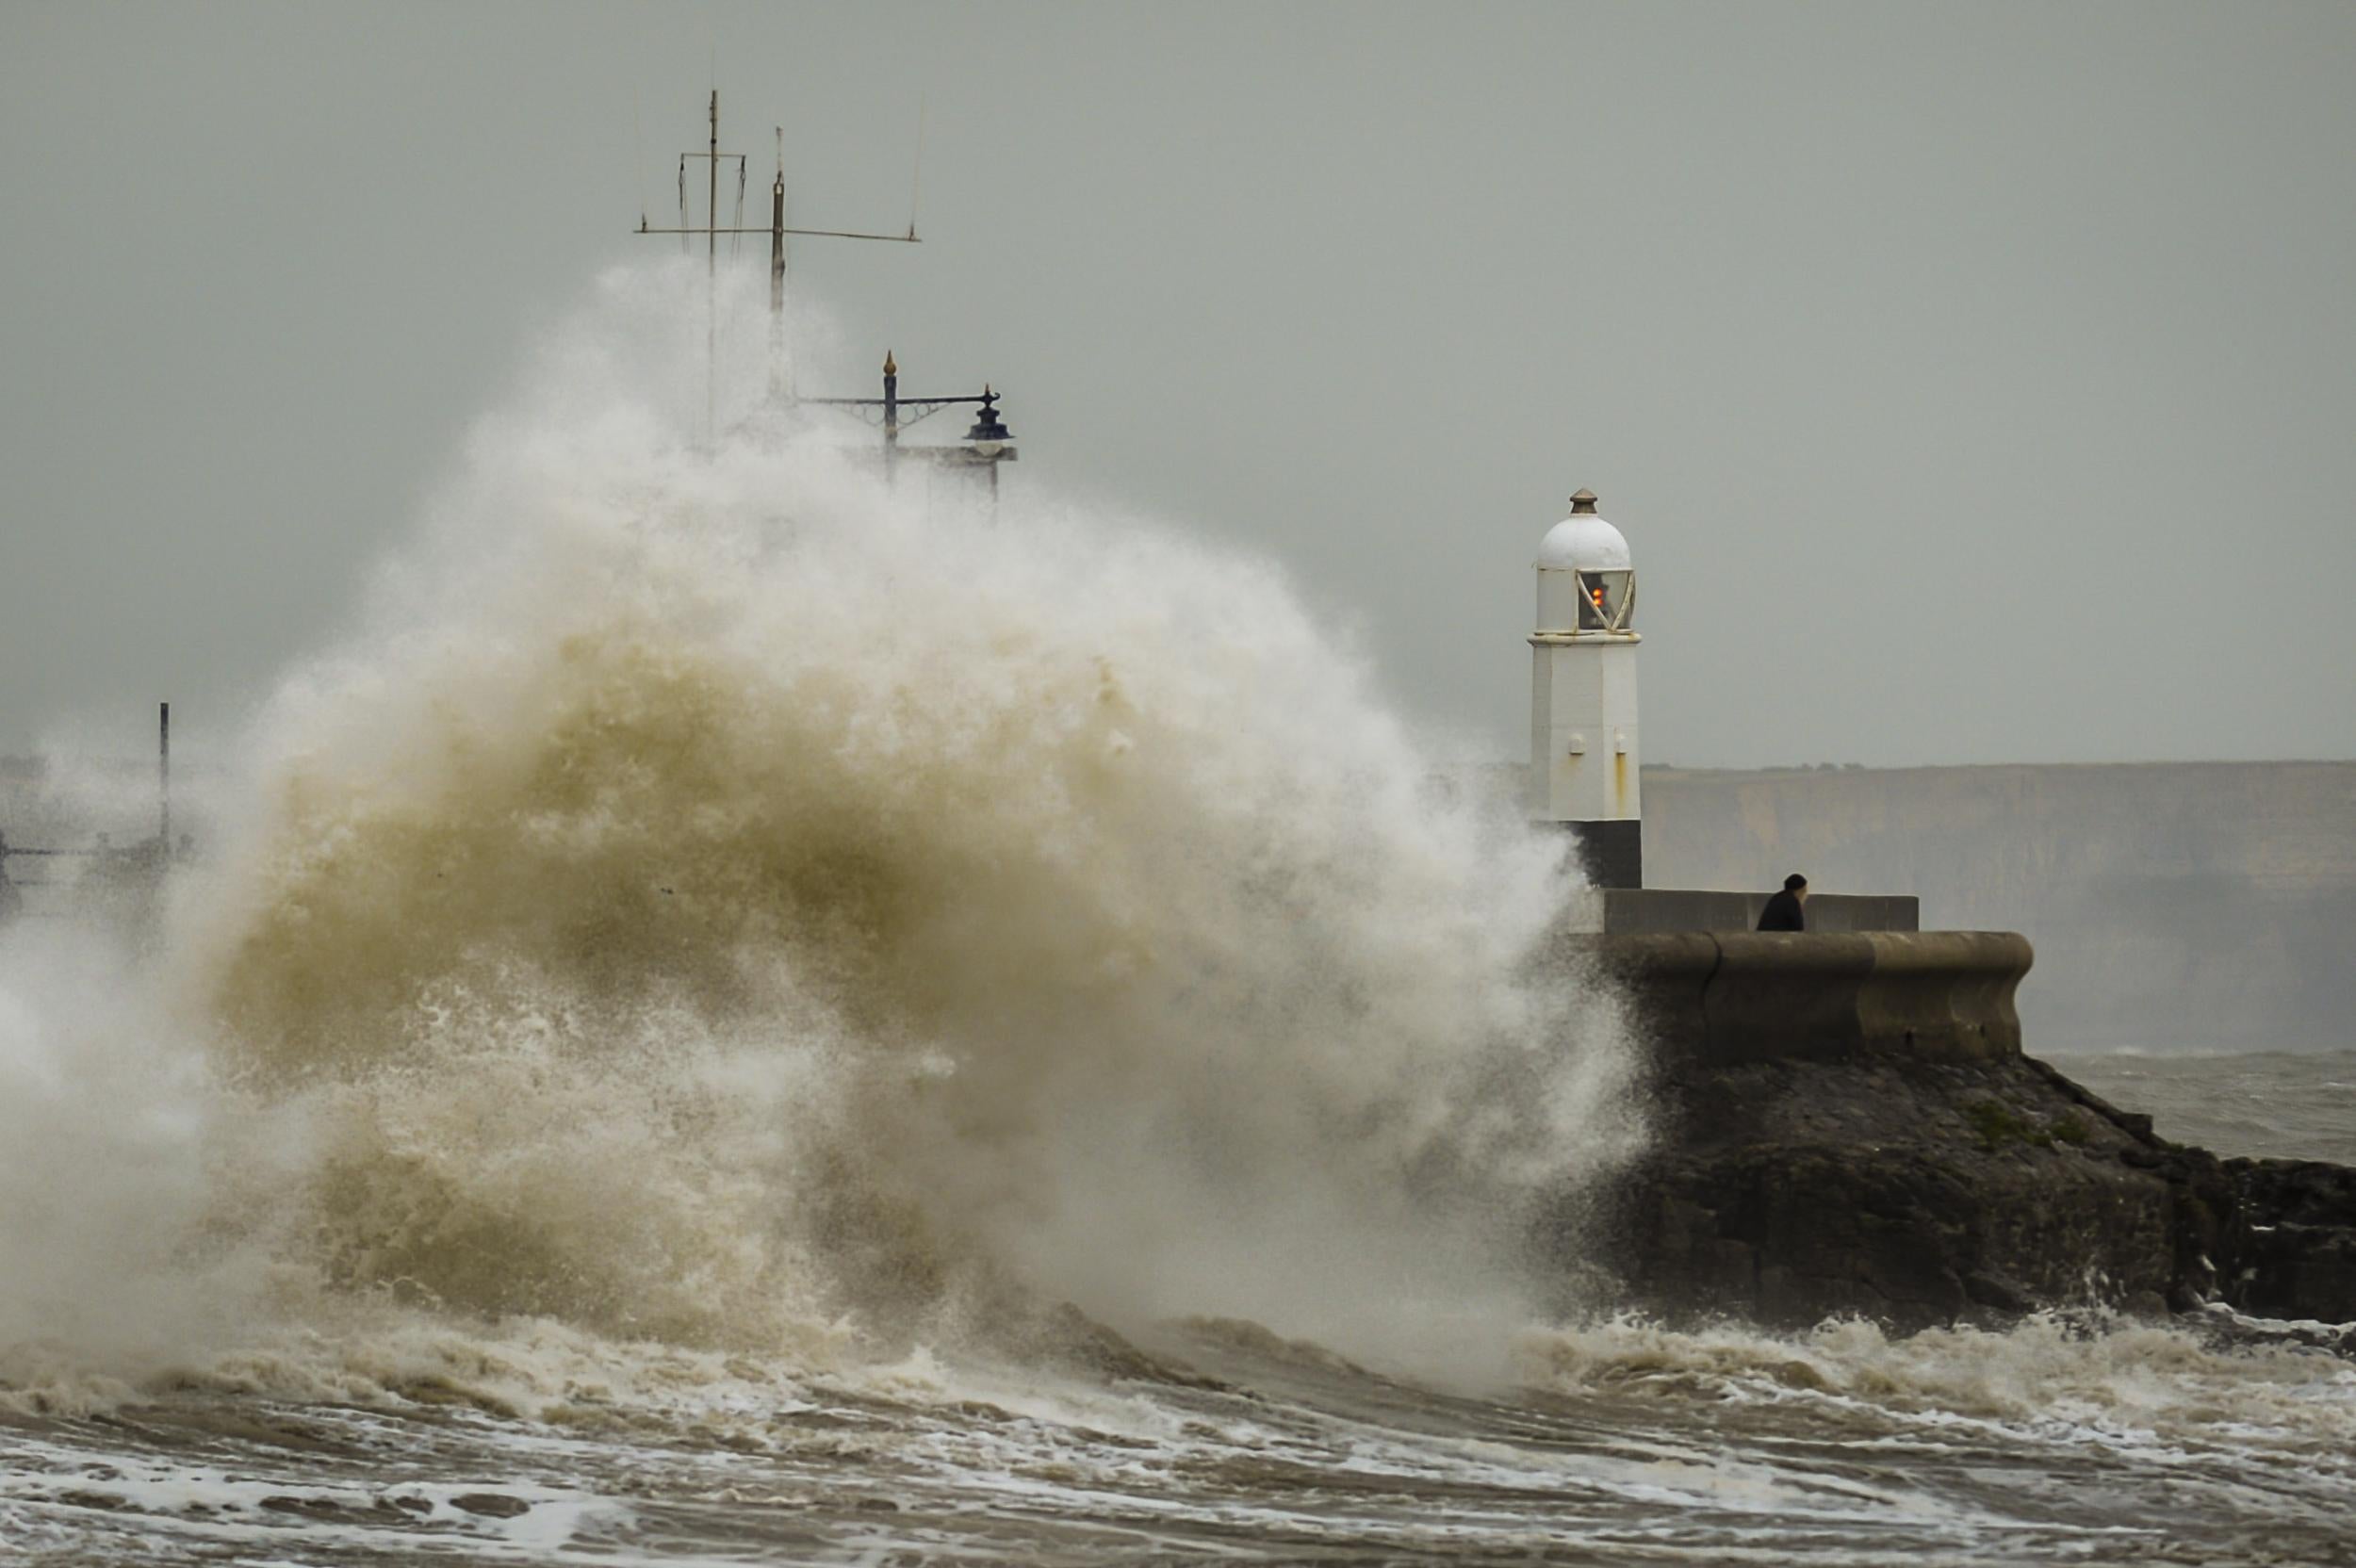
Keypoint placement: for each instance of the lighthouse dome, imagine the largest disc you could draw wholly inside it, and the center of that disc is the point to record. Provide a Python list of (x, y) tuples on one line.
[(1583, 542), (1585, 581)]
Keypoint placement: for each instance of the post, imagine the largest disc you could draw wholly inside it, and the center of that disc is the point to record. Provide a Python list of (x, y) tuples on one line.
[(163, 773), (781, 388), (890, 415)]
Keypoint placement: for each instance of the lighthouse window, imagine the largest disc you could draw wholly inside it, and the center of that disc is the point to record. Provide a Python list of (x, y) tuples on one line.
[(1604, 599)]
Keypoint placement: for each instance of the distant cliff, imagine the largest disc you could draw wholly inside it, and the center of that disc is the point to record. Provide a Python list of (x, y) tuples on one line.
[(2173, 905)]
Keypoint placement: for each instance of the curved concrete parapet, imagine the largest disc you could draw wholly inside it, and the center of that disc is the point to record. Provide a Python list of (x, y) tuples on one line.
[(1753, 996)]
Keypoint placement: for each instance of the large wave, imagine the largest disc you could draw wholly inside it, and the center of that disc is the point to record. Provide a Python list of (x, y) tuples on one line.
[(720, 896)]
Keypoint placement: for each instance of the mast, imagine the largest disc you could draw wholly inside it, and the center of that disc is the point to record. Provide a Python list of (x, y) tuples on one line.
[(711, 280), (781, 379), (987, 444)]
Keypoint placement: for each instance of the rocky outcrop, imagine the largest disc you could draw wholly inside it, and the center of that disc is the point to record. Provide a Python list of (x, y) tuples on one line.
[(2298, 1256), (1785, 1189), (1847, 1124)]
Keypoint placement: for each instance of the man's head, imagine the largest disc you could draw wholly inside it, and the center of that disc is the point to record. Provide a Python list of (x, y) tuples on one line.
[(1796, 886)]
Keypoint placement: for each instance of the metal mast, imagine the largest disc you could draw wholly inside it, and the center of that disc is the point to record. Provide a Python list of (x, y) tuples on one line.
[(711, 274), (780, 386)]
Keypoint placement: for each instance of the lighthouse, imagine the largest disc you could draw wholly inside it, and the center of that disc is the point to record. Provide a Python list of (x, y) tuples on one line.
[(1582, 696)]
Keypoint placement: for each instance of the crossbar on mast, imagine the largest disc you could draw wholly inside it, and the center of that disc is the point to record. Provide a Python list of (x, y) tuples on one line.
[(780, 387)]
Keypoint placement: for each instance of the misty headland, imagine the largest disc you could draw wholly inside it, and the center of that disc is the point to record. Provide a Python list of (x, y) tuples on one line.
[(2175, 906)]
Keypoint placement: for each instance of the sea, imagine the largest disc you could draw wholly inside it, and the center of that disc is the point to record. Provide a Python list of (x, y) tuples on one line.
[(743, 1013), (378, 1432)]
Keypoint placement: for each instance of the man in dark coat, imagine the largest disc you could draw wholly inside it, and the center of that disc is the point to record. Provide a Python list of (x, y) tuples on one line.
[(1784, 911)]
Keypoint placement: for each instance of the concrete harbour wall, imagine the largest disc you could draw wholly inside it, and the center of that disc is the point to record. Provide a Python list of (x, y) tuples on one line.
[(1729, 997)]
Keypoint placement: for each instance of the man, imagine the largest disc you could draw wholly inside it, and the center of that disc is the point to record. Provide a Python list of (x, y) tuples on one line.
[(1784, 911)]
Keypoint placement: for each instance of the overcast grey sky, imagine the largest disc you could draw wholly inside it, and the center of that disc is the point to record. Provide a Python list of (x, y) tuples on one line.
[(1973, 383)]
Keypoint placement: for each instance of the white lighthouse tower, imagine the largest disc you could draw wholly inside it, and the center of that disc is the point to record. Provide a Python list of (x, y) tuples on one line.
[(1582, 696)]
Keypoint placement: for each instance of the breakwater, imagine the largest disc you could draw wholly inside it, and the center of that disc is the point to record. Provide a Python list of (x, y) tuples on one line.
[(1848, 1124)]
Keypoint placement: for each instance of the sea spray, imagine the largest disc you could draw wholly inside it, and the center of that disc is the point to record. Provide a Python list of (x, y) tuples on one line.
[(102, 1146), (723, 947), (719, 895)]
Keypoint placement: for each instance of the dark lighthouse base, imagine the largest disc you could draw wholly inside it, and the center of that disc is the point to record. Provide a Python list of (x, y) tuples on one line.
[(1610, 852)]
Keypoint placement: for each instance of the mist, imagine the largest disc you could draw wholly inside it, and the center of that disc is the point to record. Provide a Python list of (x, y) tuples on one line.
[(2174, 909), (1972, 383)]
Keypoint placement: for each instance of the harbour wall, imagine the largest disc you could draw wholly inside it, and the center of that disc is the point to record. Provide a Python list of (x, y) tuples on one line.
[(1739, 996), (1848, 1123)]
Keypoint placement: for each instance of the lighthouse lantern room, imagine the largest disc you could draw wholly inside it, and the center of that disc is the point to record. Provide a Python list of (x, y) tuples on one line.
[(1583, 759)]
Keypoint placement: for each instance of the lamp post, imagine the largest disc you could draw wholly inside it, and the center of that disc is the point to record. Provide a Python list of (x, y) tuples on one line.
[(987, 444), (990, 442)]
